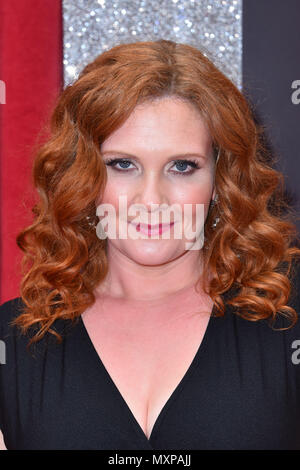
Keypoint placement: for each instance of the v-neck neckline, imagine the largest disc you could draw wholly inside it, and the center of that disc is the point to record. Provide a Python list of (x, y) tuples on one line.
[(199, 354)]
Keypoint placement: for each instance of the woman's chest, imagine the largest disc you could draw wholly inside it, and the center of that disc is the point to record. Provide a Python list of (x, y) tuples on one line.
[(241, 393), (147, 365)]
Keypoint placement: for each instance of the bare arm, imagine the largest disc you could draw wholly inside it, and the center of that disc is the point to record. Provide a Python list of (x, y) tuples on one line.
[(2, 445)]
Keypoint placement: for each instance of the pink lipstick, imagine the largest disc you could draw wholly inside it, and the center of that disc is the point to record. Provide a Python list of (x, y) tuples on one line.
[(156, 229)]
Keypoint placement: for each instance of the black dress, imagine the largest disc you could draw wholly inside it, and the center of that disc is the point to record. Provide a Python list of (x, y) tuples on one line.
[(241, 391)]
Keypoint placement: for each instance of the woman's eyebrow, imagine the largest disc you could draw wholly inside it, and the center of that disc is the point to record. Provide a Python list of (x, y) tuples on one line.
[(173, 157)]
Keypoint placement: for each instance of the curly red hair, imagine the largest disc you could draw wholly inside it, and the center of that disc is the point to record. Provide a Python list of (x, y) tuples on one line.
[(253, 245)]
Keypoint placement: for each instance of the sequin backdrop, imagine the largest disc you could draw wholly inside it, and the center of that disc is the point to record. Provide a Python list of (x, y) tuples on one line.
[(93, 26)]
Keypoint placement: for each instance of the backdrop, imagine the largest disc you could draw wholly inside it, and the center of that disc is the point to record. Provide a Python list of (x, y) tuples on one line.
[(31, 68), (256, 41)]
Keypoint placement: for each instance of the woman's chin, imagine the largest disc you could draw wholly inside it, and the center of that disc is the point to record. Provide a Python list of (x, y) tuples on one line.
[(153, 252)]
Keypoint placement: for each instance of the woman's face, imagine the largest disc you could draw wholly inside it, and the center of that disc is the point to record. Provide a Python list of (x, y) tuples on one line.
[(147, 164)]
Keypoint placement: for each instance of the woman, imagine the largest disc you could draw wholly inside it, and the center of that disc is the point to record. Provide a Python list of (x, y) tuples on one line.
[(153, 340)]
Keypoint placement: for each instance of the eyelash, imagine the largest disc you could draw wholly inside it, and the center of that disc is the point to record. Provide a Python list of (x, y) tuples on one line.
[(193, 163)]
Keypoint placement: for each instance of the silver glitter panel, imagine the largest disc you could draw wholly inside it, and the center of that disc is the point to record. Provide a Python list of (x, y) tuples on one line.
[(93, 26)]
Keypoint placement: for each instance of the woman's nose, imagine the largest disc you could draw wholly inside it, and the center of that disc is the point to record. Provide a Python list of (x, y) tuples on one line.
[(150, 191)]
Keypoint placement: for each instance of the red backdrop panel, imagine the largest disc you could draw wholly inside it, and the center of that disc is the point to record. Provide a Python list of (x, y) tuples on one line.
[(31, 68)]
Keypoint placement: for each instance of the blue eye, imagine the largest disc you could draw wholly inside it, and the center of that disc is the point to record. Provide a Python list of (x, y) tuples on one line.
[(120, 161), (182, 165)]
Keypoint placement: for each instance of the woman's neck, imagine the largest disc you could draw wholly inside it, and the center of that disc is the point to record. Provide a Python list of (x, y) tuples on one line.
[(129, 281)]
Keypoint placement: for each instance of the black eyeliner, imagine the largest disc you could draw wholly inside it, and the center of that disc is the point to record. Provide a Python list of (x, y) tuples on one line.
[(192, 163)]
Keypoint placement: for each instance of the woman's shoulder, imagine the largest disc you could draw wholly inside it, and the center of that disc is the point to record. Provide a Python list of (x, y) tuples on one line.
[(9, 310), (17, 341), (294, 276), (283, 319)]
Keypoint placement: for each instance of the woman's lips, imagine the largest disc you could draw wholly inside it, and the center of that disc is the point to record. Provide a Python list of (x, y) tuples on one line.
[(156, 229)]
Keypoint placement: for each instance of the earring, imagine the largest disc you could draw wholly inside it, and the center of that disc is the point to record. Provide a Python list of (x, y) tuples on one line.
[(217, 219), (214, 201), (88, 218), (215, 223), (101, 234)]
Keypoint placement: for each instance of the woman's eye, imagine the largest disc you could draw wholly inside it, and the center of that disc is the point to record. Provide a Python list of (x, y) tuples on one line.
[(124, 164), (183, 165)]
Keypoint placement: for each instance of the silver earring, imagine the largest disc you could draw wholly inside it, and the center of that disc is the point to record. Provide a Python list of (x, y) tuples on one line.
[(90, 223), (217, 219), (215, 223), (214, 201)]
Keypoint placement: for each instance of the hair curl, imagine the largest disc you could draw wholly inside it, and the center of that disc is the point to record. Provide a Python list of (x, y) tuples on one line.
[(251, 246)]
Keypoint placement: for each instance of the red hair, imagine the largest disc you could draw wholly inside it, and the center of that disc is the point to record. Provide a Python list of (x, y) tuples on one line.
[(252, 246)]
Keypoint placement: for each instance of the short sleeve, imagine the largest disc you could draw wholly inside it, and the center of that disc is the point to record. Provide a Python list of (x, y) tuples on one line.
[(8, 311)]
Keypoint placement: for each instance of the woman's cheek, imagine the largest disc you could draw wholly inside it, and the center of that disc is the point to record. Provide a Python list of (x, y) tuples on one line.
[(194, 205)]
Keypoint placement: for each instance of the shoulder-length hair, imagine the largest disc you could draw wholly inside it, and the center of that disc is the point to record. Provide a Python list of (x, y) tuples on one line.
[(252, 246)]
